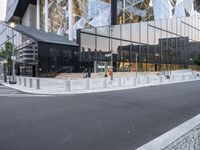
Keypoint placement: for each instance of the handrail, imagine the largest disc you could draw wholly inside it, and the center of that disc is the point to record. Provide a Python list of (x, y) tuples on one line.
[(83, 72)]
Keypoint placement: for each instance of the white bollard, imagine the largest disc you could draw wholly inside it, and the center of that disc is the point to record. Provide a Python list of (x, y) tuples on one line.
[(123, 81), (173, 78), (195, 76), (68, 85), (105, 83), (134, 81), (20, 81), (37, 84), (30, 82), (88, 84), (25, 82), (119, 82), (191, 77), (138, 80), (161, 79), (183, 77), (17, 79), (147, 79)]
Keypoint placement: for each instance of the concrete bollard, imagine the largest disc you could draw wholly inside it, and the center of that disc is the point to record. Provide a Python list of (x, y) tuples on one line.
[(147, 79), (195, 77), (119, 82), (123, 82), (30, 82), (25, 84), (138, 80), (161, 79), (37, 84), (134, 81), (105, 83), (20, 81), (191, 77), (17, 79), (68, 85), (88, 84), (173, 78), (183, 77)]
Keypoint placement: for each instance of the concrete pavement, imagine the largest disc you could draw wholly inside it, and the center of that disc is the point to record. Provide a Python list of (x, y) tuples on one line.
[(117, 120)]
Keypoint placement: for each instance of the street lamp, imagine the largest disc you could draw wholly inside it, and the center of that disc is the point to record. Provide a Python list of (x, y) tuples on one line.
[(136, 63), (156, 62), (111, 33), (13, 25), (191, 62)]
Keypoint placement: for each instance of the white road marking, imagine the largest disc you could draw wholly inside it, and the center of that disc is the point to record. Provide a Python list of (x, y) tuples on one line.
[(9, 92), (23, 95)]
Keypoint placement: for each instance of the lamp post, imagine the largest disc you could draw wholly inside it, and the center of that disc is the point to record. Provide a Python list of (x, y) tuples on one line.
[(136, 64), (156, 61), (111, 33), (12, 25), (191, 62)]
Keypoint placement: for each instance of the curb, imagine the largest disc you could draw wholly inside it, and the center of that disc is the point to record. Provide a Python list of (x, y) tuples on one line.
[(91, 91), (171, 136)]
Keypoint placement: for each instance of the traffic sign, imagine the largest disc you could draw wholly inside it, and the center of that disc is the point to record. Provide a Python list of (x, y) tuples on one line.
[(13, 57)]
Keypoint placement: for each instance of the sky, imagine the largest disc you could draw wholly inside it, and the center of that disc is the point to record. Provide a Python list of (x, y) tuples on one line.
[(2, 9)]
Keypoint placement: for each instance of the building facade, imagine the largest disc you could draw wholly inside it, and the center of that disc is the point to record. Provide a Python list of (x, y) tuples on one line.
[(159, 34), (64, 17), (158, 45)]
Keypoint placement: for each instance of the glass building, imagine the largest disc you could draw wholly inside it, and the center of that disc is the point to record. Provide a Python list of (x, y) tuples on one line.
[(39, 53), (158, 45), (64, 17), (153, 35)]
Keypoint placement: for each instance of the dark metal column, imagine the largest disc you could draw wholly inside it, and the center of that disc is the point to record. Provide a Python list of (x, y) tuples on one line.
[(113, 12)]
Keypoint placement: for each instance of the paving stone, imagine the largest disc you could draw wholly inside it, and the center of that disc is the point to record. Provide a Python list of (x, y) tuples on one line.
[(190, 141)]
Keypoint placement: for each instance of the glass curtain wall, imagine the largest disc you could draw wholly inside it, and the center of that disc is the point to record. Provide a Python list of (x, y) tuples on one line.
[(161, 45)]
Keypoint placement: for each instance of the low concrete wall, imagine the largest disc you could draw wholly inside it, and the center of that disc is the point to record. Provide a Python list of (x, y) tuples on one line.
[(103, 83)]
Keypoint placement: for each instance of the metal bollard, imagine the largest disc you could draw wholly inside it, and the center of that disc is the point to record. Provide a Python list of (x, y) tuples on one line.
[(119, 82), (105, 83), (30, 82), (37, 84), (68, 85), (88, 84), (25, 82)]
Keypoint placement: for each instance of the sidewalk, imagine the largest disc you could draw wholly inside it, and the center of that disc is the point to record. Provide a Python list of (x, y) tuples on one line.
[(183, 137), (58, 86)]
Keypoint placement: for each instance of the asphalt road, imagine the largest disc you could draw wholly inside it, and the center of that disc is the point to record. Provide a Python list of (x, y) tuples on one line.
[(119, 120)]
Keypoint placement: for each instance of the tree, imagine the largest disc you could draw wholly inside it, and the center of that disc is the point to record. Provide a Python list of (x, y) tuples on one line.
[(196, 60), (6, 54)]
